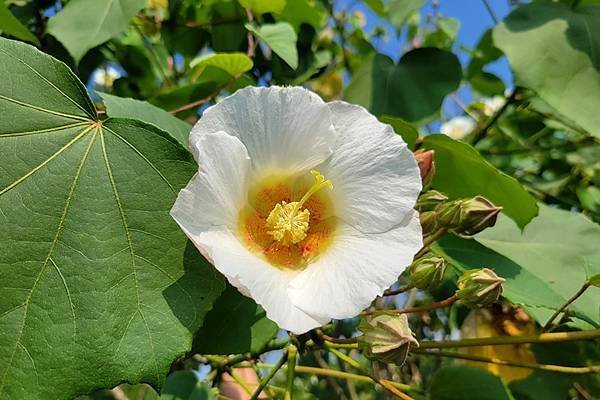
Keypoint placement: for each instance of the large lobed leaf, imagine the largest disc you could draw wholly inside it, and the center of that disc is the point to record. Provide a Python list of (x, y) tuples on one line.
[(555, 50), (543, 266), (462, 172), (97, 283)]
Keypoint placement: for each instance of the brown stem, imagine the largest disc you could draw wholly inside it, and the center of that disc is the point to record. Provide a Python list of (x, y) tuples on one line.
[(433, 306), (250, 37), (393, 292), (331, 339), (565, 305)]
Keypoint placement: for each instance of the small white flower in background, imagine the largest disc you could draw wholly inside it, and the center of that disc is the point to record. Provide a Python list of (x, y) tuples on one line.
[(105, 77), (305, 206), (491, 105), (458, 127)]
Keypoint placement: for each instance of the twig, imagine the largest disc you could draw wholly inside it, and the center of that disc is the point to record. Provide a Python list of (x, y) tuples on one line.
[(480, 134), (265, 381), (385, 384), (490, 11), (301, 369), (541, 367), (433, 306), (582, 290), (243, 384), (250, 37), (429, 240), (554, 337), (291, 371), (331, 339), (393, 292)]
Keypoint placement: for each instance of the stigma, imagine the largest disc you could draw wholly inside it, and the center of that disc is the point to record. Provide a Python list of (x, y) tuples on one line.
[(289, 222)]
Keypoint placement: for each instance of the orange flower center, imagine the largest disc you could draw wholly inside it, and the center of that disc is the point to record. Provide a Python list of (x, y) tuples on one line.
[(288, 221)]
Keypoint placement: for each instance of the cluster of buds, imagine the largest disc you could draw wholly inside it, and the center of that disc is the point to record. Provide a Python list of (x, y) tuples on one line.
[(479, 287), (427, 272), (463, 216), (387, 338)]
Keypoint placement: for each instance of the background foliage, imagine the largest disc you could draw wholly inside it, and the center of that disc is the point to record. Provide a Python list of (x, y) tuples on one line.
[(98, 286)]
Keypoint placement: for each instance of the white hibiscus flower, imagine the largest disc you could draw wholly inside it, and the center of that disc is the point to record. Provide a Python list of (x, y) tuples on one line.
[(458, 127), (305, 206)]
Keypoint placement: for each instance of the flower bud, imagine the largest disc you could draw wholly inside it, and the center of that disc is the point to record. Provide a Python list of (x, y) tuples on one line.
[(449, 215), (429, 200), (426, 163), (427, 272), (387, 338), (468, 216), (428, 222), (479, 213), (479, 287)]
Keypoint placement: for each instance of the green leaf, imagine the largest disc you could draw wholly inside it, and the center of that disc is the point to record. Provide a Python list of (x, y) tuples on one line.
[(560, 61), (589, 197), (120, 107), (9, 24), (413, 89), (184, 385), (281, 38), (462, 172), (400, 10), (466, 383), (94, 273), (543, 266), (235, 325), (408, 132), (83, 24), (264, 6), (298, 12), (232, 63)]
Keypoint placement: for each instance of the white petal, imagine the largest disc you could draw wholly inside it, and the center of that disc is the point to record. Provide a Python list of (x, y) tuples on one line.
[(217, 192), (257, 279), (375, 176), (357, 268), (282, 128)]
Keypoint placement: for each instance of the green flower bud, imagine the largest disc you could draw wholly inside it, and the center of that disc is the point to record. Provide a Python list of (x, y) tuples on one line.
[(428, 222), (468, 216), (387, 338), (479, 287), (429, 200), (427, 272), (449, 214), (479, 213)]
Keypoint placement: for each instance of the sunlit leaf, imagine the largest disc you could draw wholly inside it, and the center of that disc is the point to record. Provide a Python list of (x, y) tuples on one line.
[(264, 6), (281, 38), (83, 24), (543, 266), (121, 107), (560, 59), (462, 172)]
